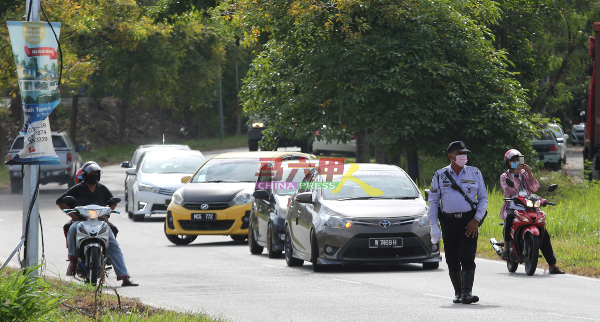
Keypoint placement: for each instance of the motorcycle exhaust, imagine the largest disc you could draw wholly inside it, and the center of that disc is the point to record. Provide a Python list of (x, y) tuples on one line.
[(497, 246)]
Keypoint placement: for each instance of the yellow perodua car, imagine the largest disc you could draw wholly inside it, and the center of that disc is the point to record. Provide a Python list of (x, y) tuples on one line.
[(217, 199)]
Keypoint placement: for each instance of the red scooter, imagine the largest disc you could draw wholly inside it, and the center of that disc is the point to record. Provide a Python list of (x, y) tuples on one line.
[(526, 232)]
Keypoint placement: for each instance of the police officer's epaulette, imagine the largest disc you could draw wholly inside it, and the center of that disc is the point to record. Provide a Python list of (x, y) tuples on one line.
[(435, 174)]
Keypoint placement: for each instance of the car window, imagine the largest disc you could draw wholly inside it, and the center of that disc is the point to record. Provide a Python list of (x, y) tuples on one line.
[(545, 136), (556, 131), (291, 175), (228, 170), (18, 144), (307, 179), (383, 184), (159, 163), (58, 142)]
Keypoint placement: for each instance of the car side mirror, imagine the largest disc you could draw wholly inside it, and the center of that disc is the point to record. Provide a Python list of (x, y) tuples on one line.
[(510, 183), (125, 164), (565, 137), (304, 197), (185, 179), (427, 192), (80, 147), (552, 187), (131, 171), (261, 194)]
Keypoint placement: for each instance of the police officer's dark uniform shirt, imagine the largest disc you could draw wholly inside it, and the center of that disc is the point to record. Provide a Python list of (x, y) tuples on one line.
[(85, 196), (451, 201)]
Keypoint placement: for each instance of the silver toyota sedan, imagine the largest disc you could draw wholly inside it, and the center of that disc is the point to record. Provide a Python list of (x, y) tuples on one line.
[(358, 214)]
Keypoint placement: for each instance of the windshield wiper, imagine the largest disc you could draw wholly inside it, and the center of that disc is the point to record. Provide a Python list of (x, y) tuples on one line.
[(367, 198), (217, 181)]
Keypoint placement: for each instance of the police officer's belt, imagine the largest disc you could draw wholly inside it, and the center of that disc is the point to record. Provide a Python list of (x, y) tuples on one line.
[(458, 215)]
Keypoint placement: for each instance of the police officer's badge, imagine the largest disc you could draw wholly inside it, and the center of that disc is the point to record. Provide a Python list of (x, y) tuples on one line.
[(469, 190), (444, 177)]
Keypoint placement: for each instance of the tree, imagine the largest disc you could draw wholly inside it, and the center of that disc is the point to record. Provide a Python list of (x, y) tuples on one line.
[(414, 75)]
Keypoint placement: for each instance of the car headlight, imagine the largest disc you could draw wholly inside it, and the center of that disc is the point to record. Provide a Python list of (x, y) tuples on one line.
[(422, 221), (529, 203), (537, 203), (177, 198), (333, 220), (243, 198), (147, 187), (258, 124)]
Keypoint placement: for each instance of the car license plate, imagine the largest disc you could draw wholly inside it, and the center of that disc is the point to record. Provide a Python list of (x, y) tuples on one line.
[(204, 216), (385, 242)]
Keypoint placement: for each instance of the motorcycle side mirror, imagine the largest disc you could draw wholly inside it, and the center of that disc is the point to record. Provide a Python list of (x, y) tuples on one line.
[(510, 183), (113, 201), (70, 199), (552, 187)]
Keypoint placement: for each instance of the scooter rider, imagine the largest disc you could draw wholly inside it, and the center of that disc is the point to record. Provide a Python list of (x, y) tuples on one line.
[(520, 173), (88, 192)]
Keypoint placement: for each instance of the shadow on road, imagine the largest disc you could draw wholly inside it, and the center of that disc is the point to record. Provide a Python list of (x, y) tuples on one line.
[(375, 269), (470, 306), (222, 243)]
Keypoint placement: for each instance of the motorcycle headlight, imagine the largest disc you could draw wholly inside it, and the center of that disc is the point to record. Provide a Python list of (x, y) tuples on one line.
[(243, 198), (93, 214), (422, 221), (333, 220), (177, 198), (147, 187), (537, 203), (529, 203)]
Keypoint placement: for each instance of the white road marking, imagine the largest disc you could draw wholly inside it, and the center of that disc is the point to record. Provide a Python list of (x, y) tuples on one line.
[(574, 317), (435, 295), (266, 265), (347, 281)]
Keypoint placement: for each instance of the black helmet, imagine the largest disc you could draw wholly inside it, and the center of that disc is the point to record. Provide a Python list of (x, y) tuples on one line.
[(89, 167)]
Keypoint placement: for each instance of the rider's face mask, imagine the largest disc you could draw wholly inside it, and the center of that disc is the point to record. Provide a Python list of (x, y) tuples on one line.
[(92, 178), (513, 165)]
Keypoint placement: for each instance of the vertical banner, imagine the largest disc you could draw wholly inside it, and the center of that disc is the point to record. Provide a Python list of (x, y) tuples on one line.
[(34, 49)]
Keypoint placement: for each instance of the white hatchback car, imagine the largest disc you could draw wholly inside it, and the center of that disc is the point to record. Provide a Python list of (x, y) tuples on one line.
[(155, 179)]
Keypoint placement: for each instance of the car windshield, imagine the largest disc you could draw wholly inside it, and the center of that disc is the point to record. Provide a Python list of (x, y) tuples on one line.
[(57, 142), (372, 185), (228, 170), (545, 136), (290, 175), (172, 164), (556, 131)]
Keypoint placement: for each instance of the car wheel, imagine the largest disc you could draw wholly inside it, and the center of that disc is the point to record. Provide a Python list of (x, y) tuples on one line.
[(270, 251), (253, 145), (179, 239), (138, 217), (238, 237), (314, 254), (255, 248), (289, 259), (306, 148), (16, 186), (71, 182), (434, 265)]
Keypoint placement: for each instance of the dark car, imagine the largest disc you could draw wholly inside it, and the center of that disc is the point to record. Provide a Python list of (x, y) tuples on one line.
[(269, 207), (255, 135), (375, 214), (547, 149)]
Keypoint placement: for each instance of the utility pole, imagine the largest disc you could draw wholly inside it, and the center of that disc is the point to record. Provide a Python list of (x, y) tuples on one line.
[(221, 106), (30, 181)]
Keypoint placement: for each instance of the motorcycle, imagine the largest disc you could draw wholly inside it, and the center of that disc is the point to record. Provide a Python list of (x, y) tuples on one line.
[(526, 232), (92, 238)]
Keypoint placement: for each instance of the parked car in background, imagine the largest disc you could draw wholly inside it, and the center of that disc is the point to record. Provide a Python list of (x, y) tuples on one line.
[(577, 134), (135, 159), (155, 178), (217, 199), (63, 173), (255, 135), (321, 146), (547, 149), (376, 216), (269, 207), (561, 139)]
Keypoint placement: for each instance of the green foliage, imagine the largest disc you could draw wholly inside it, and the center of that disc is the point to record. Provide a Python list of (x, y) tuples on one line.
[(413, 75), (24, 297)]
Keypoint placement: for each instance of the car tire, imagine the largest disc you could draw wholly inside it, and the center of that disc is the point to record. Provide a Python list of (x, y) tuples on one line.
[(71, 182), (253, 145), (289, 259), (255, 248), (16, 186), (314, 254), (137, 218), (179, 239), (270, 251), (306, 148), (434, 265), (238, 237)]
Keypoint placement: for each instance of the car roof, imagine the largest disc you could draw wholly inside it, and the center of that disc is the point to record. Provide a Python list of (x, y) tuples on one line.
[(261, 154), (173, 153), (163, 146)]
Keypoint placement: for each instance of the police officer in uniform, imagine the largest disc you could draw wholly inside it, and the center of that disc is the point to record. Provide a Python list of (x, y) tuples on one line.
[(459, 218)]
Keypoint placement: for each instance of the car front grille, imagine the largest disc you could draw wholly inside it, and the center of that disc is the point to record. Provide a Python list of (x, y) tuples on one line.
[(166, 192), (358, 248), (206, 225), (211, 206), (159, 207)]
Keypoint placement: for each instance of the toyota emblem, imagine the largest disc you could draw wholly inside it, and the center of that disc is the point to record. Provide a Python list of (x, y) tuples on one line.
[(385, 224), (203, 206)]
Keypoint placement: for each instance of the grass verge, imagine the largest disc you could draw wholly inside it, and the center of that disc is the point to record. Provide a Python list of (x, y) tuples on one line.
[(26, 298)]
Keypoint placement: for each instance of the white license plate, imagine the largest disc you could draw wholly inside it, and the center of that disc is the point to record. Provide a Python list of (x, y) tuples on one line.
[(395, 242), (204, 216)]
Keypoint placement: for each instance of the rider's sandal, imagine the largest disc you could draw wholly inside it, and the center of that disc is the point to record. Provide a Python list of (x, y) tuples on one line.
[(72, 268), (128, 282), (556, 270)]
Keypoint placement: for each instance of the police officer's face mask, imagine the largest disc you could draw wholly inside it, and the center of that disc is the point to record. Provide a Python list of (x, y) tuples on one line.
[(460, 160)]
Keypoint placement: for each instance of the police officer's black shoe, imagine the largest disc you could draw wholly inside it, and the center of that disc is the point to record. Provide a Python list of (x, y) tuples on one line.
[(467, 287), (457, 284)]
